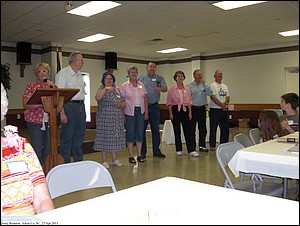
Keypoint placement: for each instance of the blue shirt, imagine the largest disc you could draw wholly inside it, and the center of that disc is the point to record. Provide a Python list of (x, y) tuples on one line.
[(150, 83), (199, 93)]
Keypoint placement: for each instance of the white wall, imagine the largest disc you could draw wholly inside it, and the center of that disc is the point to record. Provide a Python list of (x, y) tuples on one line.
[(251, 79), (254, 79)]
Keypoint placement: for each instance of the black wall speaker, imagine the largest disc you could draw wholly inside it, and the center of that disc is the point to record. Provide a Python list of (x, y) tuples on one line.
[(23, 53), (111, 60)]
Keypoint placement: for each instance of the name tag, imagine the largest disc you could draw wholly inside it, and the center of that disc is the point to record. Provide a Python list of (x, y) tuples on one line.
[(154, 80), (17, 167)]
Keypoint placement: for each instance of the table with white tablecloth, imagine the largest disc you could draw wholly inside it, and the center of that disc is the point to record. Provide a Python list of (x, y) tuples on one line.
[(169, 201), (268, 158), (169, 138)]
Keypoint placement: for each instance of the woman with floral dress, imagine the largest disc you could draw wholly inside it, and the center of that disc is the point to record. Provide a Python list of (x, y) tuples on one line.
[(110, 133)]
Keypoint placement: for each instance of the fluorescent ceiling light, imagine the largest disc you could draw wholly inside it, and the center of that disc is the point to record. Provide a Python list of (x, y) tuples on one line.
[(95, 38), (226, 5), (92, 8), (289, 33), (171, 50)]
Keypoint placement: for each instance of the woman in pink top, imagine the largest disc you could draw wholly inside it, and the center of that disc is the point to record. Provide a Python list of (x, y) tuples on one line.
[(136, 112), (179, 103), (35, 116)]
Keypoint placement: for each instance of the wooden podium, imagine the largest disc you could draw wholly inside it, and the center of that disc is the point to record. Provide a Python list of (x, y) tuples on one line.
[(53, 100)]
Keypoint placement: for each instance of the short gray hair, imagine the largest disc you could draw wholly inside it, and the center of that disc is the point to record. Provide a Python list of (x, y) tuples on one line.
[(73, 56), (132, 68)]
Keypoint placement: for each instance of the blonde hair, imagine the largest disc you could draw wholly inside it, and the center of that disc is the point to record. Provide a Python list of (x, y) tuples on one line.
[(43, 65)]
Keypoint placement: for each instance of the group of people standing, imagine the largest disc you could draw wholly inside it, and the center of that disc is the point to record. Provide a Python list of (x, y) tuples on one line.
[(124, 112), (130, 107), (187, 106)]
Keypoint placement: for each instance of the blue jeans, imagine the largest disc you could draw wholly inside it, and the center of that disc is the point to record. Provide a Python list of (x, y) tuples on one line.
[(40, 140), (154, 118), (135, 126), (72, 133)]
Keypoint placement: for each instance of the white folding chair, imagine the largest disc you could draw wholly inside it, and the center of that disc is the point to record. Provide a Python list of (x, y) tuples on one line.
[(254, 135), (224, 154), (76, 176), (243, 139)]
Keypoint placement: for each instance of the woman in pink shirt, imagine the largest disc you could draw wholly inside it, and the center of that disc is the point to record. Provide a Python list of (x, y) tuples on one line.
[(179, 103), (35, 116), (136, 112)]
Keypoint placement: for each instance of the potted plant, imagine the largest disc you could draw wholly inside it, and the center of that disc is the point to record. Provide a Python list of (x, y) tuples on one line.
[(5, 76)]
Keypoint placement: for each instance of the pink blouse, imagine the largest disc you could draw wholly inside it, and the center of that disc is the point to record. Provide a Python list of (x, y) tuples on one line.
[(128, 92), (173, 97), (34, 115)]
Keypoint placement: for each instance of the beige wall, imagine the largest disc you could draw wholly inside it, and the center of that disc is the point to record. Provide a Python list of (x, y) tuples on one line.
[(251, 79)]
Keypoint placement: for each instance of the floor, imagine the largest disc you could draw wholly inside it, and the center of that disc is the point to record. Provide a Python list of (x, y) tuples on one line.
[(203, 169)]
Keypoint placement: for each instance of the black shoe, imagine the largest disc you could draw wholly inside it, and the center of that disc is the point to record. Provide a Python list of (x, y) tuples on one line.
[(203, 149), (143, 156), (160, 155)]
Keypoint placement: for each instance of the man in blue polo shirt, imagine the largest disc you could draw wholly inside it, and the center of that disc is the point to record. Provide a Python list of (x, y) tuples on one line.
[(199, 92), (154, 84)]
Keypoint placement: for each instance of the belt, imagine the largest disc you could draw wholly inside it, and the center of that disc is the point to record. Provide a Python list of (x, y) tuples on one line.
[(77, 101), (202, 106), (153, 104)]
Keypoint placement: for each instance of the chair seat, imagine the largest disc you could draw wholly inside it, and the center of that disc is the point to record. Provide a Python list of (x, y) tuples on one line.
[(260, 187)]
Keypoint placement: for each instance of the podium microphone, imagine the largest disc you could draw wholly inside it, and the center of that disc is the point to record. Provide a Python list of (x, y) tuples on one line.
[(45, 80)]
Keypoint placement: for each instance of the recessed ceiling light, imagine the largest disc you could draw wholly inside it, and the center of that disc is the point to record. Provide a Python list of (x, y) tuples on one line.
[(95, 38), (94, 7), (173, 50), (227, 5), (289, 33)]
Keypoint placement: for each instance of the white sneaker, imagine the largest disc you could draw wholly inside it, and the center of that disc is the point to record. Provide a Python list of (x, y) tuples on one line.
[(179, 153), (105, 164), (117, 163), (194, 154)]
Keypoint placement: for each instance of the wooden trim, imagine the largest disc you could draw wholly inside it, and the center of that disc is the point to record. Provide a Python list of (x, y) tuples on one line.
[(246, 107), (237, 107), (15, 111)]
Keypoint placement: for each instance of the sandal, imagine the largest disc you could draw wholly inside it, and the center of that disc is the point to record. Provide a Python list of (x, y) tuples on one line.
[(140, 159), (132, 160)]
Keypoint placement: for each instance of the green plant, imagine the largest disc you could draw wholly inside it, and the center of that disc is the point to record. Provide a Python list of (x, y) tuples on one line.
[(5, 76)]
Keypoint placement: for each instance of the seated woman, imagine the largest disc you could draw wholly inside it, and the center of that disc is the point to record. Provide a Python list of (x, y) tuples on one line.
[(269, 126), (23, 184)]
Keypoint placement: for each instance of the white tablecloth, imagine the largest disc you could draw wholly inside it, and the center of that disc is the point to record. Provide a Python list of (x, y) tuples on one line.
[(169, 138), (170, 200), (269, 158)]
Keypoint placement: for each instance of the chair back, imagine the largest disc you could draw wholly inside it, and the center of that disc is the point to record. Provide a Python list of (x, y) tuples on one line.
[(243, 140), (76, 176), (224, 153), (254, 135)]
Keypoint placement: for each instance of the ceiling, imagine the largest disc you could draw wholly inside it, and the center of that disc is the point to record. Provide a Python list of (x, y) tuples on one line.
[(140, 28)]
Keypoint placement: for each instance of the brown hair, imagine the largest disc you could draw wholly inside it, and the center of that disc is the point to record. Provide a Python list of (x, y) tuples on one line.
[(269, 125), (178, 73), (292, 99)]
